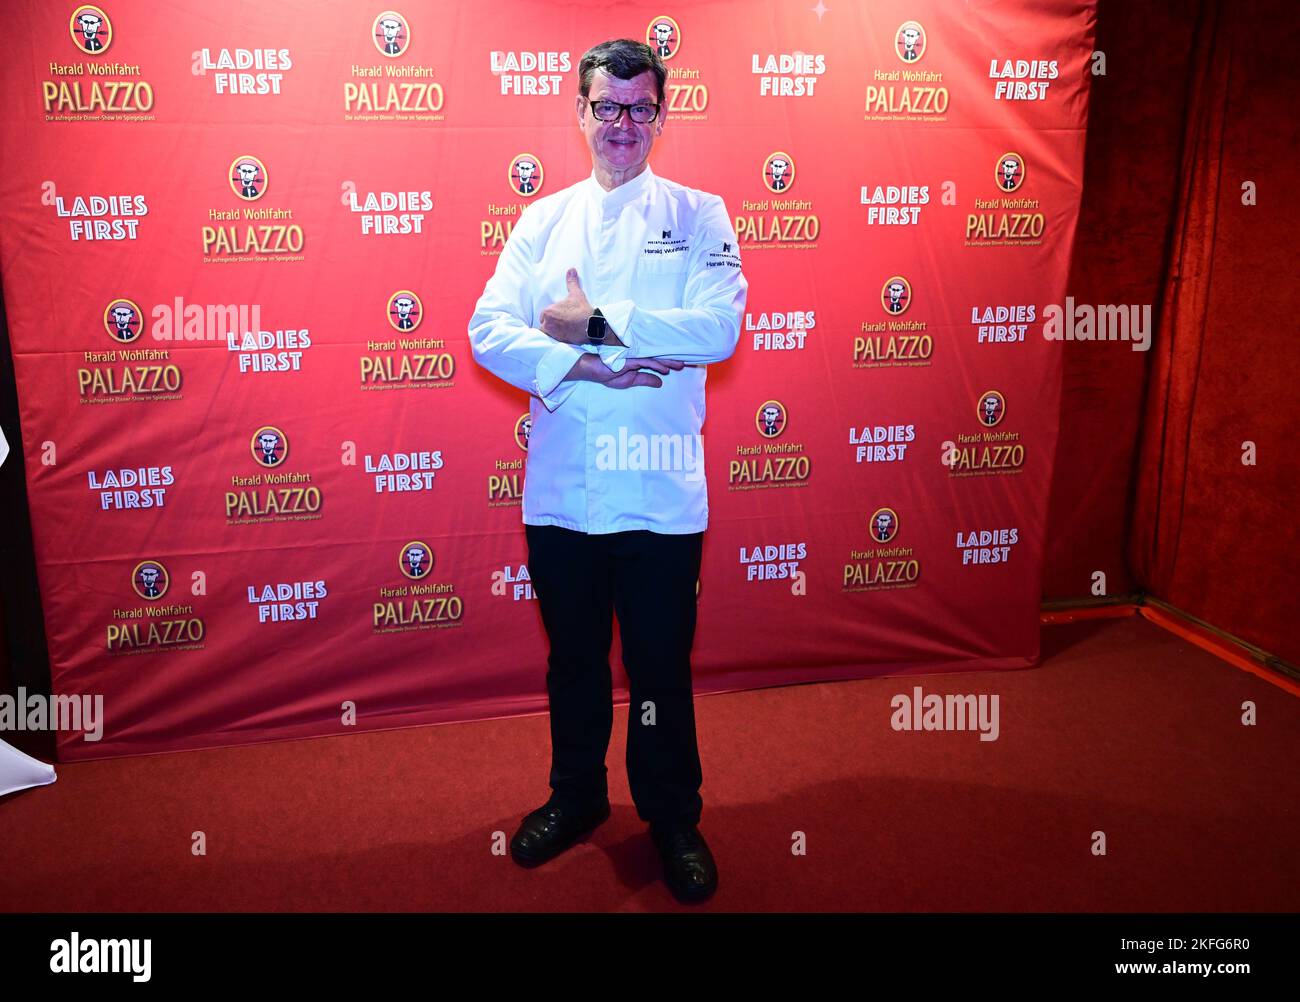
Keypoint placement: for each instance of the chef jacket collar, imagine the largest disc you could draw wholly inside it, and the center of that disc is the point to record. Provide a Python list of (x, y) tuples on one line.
[(624, 193)]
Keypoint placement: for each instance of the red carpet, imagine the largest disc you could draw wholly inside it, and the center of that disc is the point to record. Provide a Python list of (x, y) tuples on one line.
[(1125, 729)]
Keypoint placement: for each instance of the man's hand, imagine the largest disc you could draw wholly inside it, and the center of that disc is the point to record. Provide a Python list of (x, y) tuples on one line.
[(635, 371), (567, 320)]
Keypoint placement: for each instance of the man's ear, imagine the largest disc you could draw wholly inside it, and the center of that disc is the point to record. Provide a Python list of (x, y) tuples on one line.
[(578, 107)]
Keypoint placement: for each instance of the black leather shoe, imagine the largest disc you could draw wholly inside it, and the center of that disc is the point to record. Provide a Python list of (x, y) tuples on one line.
[(549, 830), (689, 869)]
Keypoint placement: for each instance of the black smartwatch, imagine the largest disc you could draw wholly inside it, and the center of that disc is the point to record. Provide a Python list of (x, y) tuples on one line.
[(596, 328)]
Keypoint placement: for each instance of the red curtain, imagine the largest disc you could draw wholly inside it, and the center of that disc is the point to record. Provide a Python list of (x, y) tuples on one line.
[(1212, 535)]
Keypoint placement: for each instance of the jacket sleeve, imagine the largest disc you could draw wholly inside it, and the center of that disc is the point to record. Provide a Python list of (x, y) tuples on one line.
[(706, 327), (502, 336)]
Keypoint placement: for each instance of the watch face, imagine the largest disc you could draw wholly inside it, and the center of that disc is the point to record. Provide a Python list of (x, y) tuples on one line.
[(596, 328)]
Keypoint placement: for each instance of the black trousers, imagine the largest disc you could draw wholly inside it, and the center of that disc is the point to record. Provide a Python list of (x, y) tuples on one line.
[(648, 579)]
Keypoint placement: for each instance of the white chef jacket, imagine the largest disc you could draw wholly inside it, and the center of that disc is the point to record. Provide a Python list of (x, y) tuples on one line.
[(661, 262)]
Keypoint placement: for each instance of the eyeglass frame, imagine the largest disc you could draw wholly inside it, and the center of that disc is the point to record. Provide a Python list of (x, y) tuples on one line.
[(658, 106)]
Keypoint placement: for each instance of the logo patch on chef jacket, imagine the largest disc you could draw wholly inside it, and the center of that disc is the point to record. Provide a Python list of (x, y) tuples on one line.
[(666, 245)]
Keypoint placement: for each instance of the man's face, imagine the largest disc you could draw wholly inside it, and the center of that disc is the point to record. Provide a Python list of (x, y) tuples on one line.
[(89, 25), (895, 292), (1009, 168), (526, 171), (416, 556), (770, 414), (404, 307), (882, 526), (622, 145), (779, 168), (150, 577), (990, 408), (247, 173), (390, 29), (910, 37), (268, 443), (123, 316)]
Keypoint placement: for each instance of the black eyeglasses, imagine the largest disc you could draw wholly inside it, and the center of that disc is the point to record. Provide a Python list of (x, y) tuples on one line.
[(612, 111)]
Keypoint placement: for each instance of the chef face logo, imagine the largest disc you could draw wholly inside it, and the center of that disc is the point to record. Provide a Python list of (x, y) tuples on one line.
[(663, 35), (270, 446), (391, 33), (778, 172), (526, 175), (405, 311), (150, 579), (91, 29), (992, 408), (248, 178), (415, 560), (523, 431), (884, 525), (770, 418), (909, 41), (1010, 171), (122, 321), (896, 295)]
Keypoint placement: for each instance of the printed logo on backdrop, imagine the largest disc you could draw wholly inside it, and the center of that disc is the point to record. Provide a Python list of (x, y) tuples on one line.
[(91, 29), (416, 560), (391, 34), (276, 493), (895, 340), (909, 41), (1006, 219), (894, 204), (130, 488), (403, 472), (505, 482), (771, 561), (388, 213), (93, 88), (405, 310), (248, 178), (526, 175), (408, 361), (514, 582), (911, 92), (775, 220), (1022, 79), (393, 88), (786, 330), (414, 601), (686, 94), (987, 546), (97, 217), (767, 462), (1002, 324), (778, 172), (990, 449), (287, 601), (881, 443), (248, 231), (882, 564), (125, 374), (265, 351), (530, 74), (788, 74), (243, 71), (152, 627)]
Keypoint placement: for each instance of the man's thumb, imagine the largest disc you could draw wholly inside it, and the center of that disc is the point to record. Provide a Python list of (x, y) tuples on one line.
[(572, 279)]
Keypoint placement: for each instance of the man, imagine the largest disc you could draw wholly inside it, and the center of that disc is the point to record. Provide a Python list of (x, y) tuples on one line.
[(526, 170), (606, 535)]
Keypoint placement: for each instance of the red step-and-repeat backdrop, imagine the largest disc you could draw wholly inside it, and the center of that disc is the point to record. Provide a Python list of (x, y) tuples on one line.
[(241, 245)]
